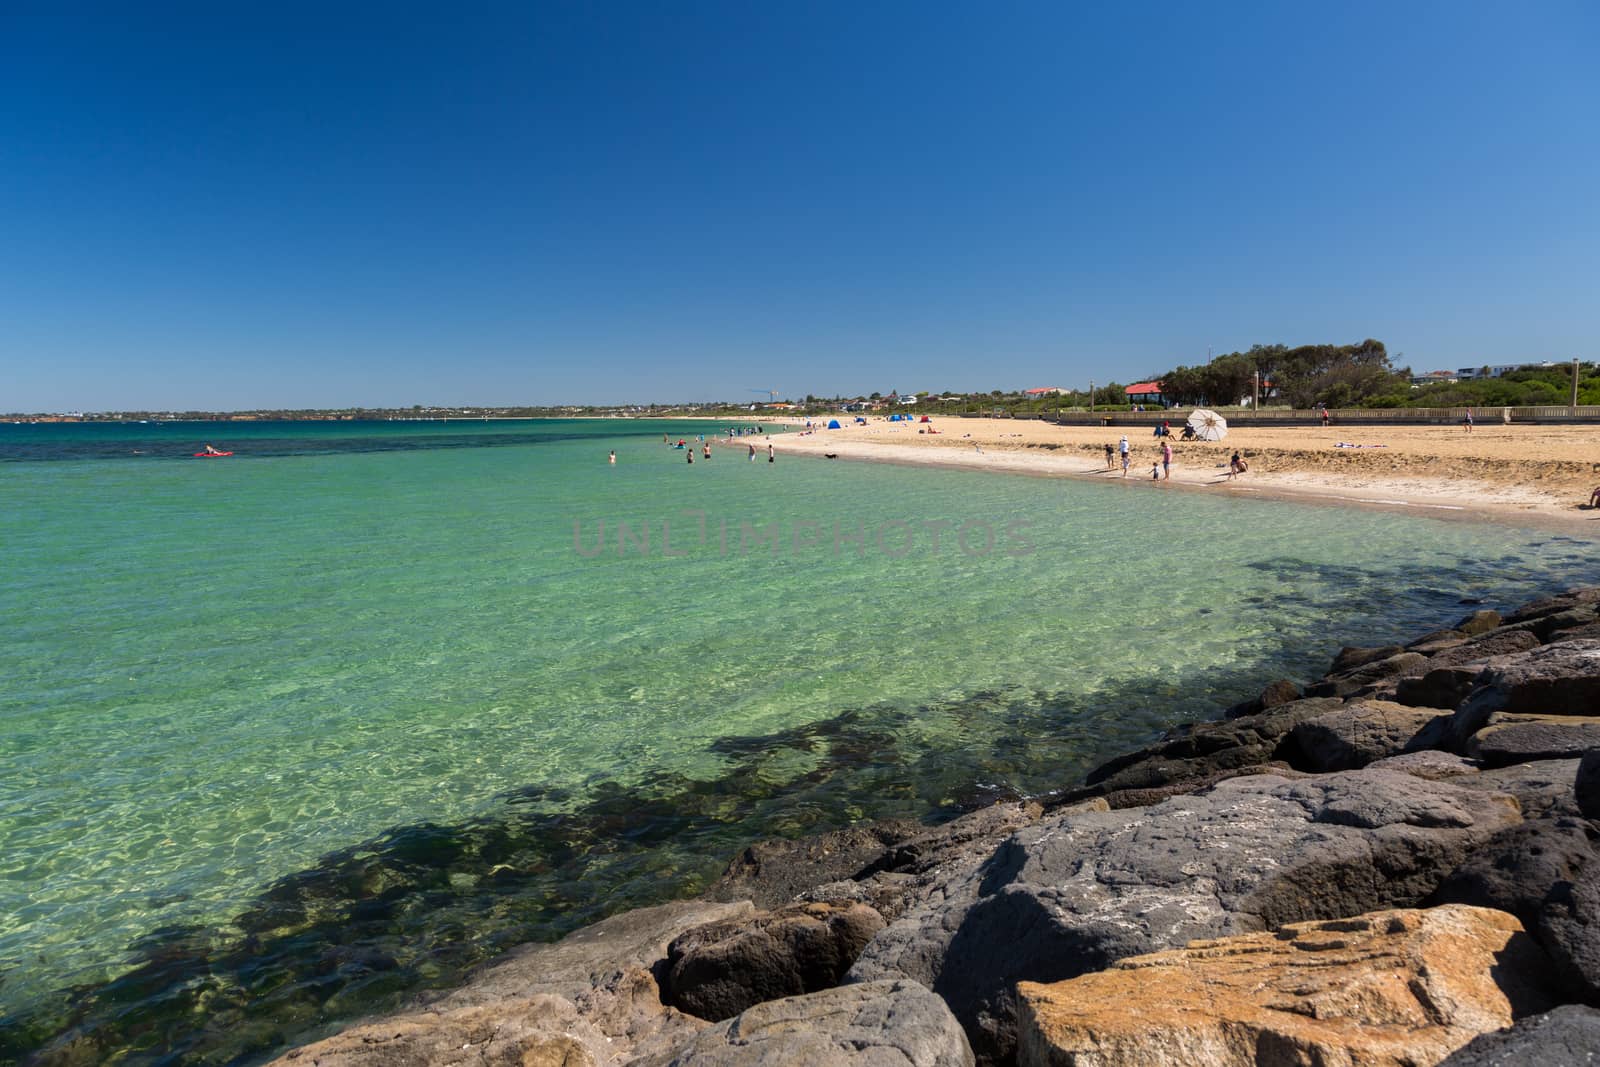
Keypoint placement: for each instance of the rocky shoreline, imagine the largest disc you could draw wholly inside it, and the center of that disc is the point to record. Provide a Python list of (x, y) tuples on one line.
[(1393, 864)]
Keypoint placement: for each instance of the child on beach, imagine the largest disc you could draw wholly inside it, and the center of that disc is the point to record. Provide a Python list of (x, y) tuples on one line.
[(1110, 463), (1155, 472)]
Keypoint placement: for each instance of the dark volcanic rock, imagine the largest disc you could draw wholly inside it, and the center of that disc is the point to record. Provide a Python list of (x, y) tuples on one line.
[(867, 1025), (1068, 896), (1429, 764), (1143, 798), (1565, 1037), (772, 873), (1546, 872), (1569, 930), (718, 970), (1586, 787), (1551, 605), (1517, 869), (1479, 650), (1193, 754), (1368, 677), (1282, 691), (1356, 734), (905, 873), (1443, 687), (1558, 679), (1508, 739), (1437, 641), (1542, 788)]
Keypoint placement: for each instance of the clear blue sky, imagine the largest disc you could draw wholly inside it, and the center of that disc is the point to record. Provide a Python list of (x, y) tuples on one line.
[(234, 206)]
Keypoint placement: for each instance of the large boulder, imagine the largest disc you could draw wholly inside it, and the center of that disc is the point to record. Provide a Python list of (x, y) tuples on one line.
[(1506, 738), (586, 958), (1368, 678), (1551, 605), (1357, 734), (1389, 989), (1558, 679), (1484, 647), (1544, 872), (907, 871), (718, 970), (1542, 788), (1568, 1035), (1072, 895), (1442, 687), (867, 1025), (1190, 755), (773, 873), (1586, 786), (1427, 763), (581, 1001)]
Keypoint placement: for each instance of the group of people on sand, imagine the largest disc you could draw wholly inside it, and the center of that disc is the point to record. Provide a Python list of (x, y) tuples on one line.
[(1161, 469)]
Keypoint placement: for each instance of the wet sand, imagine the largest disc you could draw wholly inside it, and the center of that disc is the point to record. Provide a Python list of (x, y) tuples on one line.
[(1527, 475)]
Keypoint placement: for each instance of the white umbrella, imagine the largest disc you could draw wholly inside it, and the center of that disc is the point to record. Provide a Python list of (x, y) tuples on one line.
[(1208, 425)]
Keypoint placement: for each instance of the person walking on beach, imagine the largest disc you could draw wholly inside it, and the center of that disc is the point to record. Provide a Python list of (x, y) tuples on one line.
[(1325, 417), (1166, 460), (1122, 446), (1467, 422)]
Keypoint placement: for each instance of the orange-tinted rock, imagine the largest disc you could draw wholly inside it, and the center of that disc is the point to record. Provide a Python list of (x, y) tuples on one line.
[(1400, 988)]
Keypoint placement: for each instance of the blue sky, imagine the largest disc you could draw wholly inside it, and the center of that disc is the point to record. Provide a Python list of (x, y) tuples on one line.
[(231, 206)]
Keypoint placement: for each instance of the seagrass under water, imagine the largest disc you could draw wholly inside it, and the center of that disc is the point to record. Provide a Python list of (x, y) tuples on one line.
[(286, 735)]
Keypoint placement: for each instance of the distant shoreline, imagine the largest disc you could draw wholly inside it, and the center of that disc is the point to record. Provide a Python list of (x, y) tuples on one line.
[(1523, 475)]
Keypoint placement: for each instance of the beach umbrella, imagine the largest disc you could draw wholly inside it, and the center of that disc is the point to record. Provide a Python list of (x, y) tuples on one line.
[(1208, 425)]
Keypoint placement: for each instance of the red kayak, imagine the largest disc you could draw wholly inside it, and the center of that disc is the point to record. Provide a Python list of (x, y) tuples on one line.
[(212, 455)]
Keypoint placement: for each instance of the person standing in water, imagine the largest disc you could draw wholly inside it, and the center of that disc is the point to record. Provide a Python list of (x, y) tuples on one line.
[(613, 459), (769, 451), (690, 454), (752, 453)]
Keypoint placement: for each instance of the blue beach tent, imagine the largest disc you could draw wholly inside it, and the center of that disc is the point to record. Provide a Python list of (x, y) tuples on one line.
[(833, 424)]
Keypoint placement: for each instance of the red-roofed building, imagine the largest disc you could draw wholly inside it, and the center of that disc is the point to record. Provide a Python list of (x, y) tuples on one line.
[(1146, 393), (1046, 390)]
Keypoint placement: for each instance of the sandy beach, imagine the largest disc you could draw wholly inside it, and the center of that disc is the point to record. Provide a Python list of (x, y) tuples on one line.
[(1529, 475)]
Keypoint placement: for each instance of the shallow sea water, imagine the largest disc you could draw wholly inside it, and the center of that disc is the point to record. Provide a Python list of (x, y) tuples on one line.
[(291, 734)]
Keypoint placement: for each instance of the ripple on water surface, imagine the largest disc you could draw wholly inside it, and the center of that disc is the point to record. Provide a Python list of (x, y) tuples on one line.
[(289, 736)]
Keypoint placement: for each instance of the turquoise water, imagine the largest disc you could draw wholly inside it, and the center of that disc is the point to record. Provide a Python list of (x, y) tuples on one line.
[(287, 735)]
